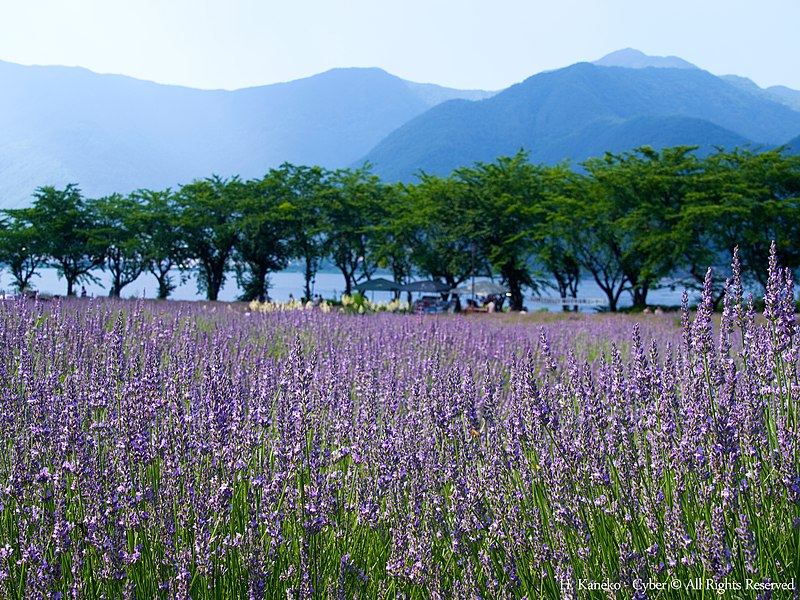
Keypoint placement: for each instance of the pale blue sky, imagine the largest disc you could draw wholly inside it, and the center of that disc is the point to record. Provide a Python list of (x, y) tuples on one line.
[(458, 43)]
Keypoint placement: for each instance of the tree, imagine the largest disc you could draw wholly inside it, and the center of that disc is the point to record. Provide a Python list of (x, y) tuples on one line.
[(641, 194), (163, 247), (442, 240), (21, 246), (118, 230), (262, 247), (740, 198), (586, 222), (774, 186), (350, 214), (552, 247), (208, 223), (506, 193), (303, 190), (392, 239), (66, 225)]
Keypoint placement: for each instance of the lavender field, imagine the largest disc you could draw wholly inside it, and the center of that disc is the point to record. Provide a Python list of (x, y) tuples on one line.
[(177, 450)]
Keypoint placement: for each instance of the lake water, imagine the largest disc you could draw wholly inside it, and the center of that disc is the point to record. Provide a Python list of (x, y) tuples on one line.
[(328, 283)]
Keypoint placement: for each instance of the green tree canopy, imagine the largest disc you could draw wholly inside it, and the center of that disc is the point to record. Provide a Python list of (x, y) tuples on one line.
[(118, 231), (66, 225), (262, 247), (746, 199), (163, 246), (640, 194), (443, 245), (633, 221), (391, 243), (552, 240), (506, 194), (351, 211), (208, 223), (303, 190), (22, 248)]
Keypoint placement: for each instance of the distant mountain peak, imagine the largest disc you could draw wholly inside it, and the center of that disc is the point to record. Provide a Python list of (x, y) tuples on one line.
[(631, 58)]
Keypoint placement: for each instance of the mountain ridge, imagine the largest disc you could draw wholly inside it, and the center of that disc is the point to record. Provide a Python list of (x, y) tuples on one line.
[(541, 112), (115, 133), (636, 59)]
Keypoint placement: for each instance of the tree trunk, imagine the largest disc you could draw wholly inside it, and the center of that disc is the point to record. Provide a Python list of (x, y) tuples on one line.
[(309, 275), (216, 279), (515, 301), (116, 285), (347, 285), (562, 291), (163, 287), (640, 296), (213, 283), (162, 277), (348, 270), (609, 292), (260, 280), (511, 276)]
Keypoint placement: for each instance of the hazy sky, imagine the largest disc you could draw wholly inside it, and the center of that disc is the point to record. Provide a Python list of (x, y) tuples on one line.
[(487, 44)]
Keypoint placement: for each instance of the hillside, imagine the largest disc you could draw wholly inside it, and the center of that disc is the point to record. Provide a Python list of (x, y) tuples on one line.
[(794, 145), (785, 95), (582, 111), (776, 93), (631, 58), (114, 134)]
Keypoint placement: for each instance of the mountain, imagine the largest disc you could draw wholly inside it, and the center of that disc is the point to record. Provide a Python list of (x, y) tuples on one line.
[(776, 93), (635, 59), (112, 133), (582, 111), (785, 95)]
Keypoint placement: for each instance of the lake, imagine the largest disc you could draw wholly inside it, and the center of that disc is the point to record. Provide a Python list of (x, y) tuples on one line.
[(329, 283)]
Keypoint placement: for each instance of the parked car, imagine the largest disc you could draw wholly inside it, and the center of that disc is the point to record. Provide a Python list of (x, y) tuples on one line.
[(430, 304)]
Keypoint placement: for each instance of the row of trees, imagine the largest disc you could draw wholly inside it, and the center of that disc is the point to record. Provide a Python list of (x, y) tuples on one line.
[(632, 221)]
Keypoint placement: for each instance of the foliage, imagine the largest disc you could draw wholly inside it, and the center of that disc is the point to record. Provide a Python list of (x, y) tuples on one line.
[(66, 225), (393, 236), (207, 222), (21, 246), (552, 238), (506, 195), (350, 212), (117, 230), (163, 249), (639, 196), (264, 229), (303, 190), (742, 198), (634, 222), (588, 230), (441, 237), (293, 304), (359, 304)]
